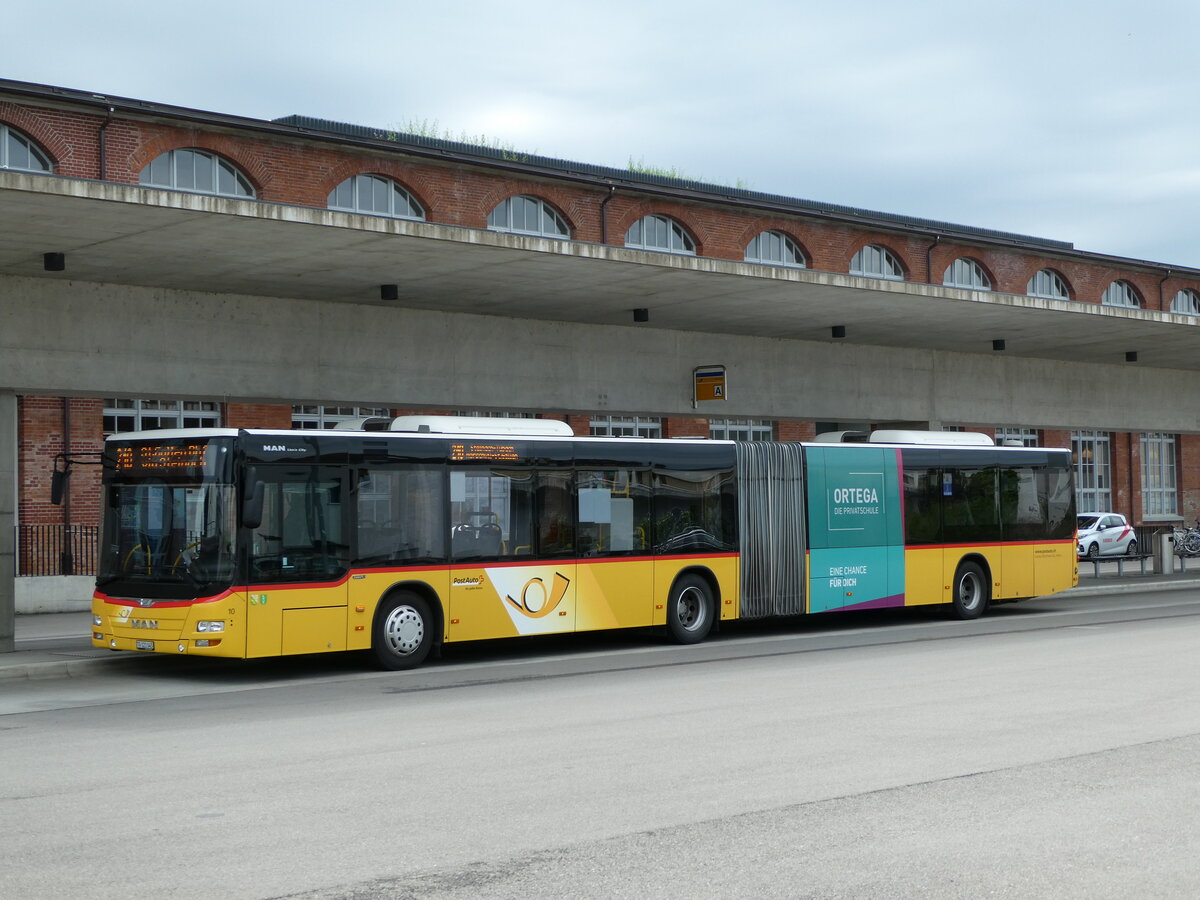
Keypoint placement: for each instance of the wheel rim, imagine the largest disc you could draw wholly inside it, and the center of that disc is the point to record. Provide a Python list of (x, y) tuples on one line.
[(691, 610), (1093, 551), (403, 630), (969, 592)]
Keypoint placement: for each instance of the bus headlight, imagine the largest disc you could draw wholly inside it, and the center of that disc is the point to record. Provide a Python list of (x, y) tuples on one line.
[(210, 626), (97, 621)]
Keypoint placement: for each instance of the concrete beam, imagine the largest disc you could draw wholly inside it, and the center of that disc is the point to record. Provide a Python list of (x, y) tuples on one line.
[(78, 338)]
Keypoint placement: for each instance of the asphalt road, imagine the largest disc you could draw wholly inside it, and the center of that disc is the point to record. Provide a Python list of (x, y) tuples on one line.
[(1048, 750)]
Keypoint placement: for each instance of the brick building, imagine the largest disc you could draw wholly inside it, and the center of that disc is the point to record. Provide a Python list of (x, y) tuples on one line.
[(370, 174)]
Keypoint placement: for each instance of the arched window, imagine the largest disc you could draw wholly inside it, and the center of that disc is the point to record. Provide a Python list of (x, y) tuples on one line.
[(375, 196), (20, 153), (659, 233), (528, 215), (874, 261), (1121, 293), (197, 171), (1187, 301), (774, 248), (1048, 284), (966, 273)]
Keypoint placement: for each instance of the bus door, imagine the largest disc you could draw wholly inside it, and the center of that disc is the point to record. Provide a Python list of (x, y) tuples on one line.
[(297, 562)]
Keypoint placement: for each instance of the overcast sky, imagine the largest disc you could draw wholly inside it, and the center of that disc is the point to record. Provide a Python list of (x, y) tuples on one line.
[(1063, 119)]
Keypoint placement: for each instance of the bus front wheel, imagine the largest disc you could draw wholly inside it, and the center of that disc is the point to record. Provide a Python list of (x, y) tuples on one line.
[(690, 610), (403, 632), (970, 591)]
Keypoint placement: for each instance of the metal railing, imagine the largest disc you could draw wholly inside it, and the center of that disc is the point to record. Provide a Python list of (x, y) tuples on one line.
[(57, 549)]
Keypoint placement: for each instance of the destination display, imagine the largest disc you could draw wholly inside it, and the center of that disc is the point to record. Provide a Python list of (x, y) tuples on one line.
[(182, 457), (473, 452)]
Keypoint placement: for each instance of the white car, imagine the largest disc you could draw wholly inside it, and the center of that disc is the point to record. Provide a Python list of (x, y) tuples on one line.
[(1106, 534)]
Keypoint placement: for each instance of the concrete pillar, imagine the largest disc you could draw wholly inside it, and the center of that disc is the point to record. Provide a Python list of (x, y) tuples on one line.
[(8, 518)]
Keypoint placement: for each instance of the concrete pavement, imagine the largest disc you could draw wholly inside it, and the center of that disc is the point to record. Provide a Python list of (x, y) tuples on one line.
[(58, 645)]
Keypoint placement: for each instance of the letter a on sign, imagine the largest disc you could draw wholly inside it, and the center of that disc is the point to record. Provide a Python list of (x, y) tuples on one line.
[(708, 383)]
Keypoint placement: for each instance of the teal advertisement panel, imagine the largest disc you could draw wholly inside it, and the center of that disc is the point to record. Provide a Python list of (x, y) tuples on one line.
[(856, 528)]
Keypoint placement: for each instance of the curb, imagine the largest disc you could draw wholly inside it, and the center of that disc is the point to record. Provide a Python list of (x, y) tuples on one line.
[(1084, 590), (84, 667)]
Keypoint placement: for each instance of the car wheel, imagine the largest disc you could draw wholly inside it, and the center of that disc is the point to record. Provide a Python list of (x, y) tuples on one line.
[(403, 632), (1093, 551), (689, 610), (970, 591), (1131, 550)]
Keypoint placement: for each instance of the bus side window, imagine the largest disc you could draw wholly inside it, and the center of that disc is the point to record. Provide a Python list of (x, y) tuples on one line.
[(614, 512), (399, 515), (922, 505)]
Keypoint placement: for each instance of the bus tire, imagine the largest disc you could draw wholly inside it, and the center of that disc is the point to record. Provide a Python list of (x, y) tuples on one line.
[(403, 633), (690, 610), (971, 593)]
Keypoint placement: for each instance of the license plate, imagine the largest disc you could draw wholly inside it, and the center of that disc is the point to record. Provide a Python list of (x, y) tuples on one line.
[(145, 645)]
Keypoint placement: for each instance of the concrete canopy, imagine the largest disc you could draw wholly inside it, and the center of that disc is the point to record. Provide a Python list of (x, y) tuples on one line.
[(129, 235)]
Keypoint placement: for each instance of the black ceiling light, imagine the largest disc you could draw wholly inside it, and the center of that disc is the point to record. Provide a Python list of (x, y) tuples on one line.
[(641, 315), (54, 262), (389, 292), (839, 331)]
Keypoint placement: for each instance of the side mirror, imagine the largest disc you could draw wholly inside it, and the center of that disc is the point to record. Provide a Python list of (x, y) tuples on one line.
[(58, 483), (252, 500)]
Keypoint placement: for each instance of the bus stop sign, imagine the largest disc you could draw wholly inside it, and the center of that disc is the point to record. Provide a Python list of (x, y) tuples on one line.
[(708, 383)]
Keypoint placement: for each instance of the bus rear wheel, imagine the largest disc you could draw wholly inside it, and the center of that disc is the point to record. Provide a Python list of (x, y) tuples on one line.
[(971, 592), (403, 632), (690, 610)]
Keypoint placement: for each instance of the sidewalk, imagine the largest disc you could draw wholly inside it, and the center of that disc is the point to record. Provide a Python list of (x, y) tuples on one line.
[(58, 645)]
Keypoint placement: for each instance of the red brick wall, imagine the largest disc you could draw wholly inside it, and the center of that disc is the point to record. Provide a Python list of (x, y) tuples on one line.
[(792, 430), (298, 171), (39, 440), (257, 415)]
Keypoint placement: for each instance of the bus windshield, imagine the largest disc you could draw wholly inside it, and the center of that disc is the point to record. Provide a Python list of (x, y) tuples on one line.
[(177, 536)]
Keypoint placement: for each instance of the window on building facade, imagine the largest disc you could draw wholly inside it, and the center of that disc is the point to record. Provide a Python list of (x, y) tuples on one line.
[(492, 414), (528, 215), (310, 416), (197, 171), (1093, 470), (20, 153), (774, 248), (874, 261), (626, 426), (1027, 437), (122, 415), (1121, 293), (741, 429), (1048, 284), (375, 196), (1186, 302), (659, 233), (966, 273), (1159, 491)]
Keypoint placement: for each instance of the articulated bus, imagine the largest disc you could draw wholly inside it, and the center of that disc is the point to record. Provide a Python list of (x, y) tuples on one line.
[(429, 530)]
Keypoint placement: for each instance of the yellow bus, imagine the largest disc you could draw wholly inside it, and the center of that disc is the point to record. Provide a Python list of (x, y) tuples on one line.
[(401, 536)]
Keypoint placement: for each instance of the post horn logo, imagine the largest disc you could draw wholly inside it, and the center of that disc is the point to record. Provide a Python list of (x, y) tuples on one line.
[(537, 602)]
